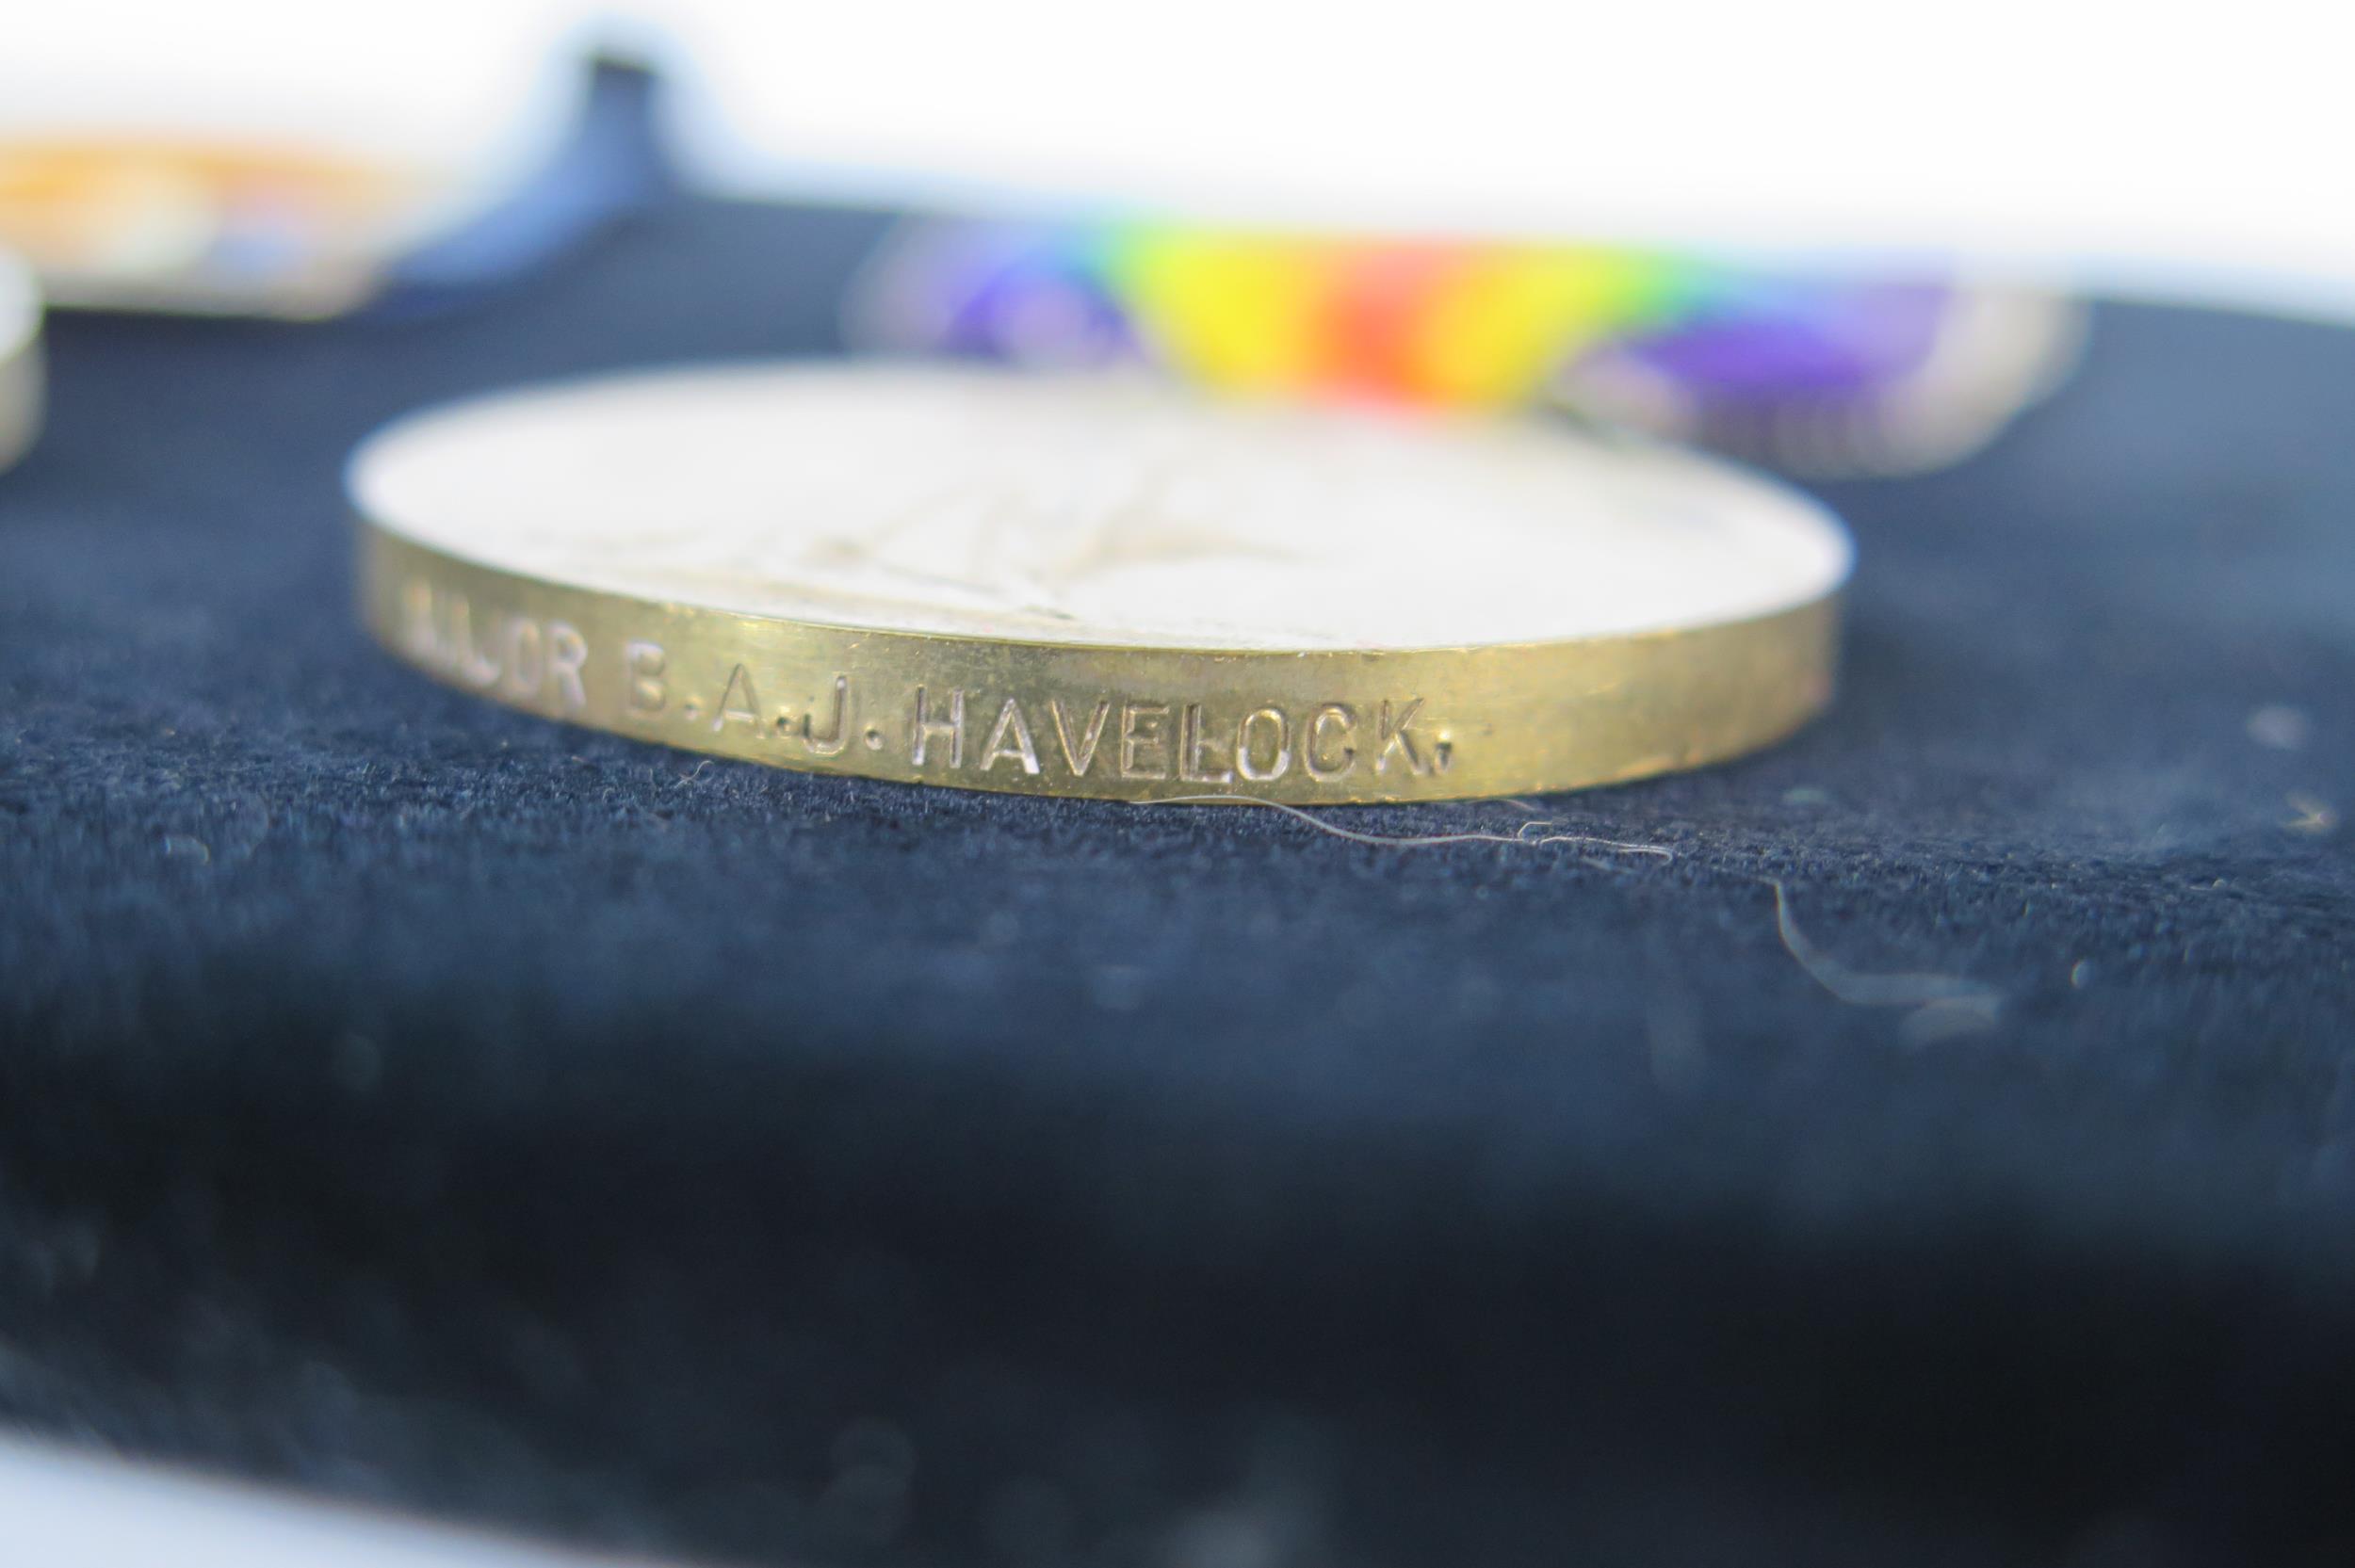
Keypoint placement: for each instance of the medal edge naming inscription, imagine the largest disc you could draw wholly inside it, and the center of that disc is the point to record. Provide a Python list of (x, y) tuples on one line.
[(1113, 723)]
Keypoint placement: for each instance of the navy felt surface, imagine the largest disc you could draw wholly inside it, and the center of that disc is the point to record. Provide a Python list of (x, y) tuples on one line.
[(432, 1103)]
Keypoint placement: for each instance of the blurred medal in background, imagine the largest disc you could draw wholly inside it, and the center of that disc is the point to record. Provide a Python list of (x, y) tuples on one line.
[(265, 222), (1831, 372)]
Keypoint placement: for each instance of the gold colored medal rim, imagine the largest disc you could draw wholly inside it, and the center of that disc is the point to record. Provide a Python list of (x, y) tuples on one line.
[(21, 372), (1329, 727)]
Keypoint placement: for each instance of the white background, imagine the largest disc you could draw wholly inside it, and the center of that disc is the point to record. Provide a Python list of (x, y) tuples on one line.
[(2148, 146)]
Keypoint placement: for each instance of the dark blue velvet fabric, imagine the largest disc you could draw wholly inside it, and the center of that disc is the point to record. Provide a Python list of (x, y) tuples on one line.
[(431, 1103)]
